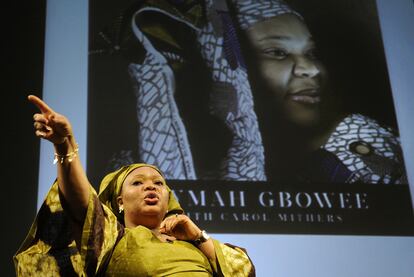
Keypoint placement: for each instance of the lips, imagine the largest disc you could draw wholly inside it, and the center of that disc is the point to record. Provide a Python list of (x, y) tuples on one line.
[(309, 95), (151, 198)]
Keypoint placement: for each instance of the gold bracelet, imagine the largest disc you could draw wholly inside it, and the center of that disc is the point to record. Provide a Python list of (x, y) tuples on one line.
[(70, 156)]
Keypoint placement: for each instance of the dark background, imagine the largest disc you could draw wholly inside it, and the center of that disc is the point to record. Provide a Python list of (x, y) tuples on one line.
[(23, 32)]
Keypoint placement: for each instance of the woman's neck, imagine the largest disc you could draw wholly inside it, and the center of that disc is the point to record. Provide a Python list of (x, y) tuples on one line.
[(150, 222), (312, 138)]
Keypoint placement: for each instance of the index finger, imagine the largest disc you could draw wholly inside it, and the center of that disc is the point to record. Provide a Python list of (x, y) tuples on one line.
[(43, 107)]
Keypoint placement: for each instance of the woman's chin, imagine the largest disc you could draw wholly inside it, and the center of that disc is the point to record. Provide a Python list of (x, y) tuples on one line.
[(152, 210), (305, 117)]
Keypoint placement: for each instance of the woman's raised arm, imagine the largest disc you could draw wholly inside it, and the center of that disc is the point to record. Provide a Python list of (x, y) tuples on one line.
[(72, 179)]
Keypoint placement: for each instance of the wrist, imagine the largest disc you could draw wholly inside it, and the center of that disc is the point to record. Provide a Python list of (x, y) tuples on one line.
[(66, 145), (66, 150), (201, 238), (62, 147)]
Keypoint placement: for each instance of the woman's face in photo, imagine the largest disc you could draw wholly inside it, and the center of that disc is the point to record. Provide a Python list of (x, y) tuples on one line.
[(286, 68)]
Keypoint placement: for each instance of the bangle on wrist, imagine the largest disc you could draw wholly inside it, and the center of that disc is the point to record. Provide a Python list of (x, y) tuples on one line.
[(69, 156)]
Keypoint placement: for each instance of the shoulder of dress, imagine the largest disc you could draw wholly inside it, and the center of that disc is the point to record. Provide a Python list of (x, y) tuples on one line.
[(361, 127)]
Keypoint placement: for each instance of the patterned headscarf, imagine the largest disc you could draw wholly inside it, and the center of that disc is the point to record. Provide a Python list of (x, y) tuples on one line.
[(250, 12), (111, 187)]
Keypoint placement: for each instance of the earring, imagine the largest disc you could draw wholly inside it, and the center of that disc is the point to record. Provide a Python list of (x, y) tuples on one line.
[(121, 209)]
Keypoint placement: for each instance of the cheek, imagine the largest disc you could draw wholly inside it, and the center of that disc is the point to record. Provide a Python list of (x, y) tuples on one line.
[(276, 76), (166, 197), (130, 196), (323, 73)]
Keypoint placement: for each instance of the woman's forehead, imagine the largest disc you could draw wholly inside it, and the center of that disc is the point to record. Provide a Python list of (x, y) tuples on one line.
[(144, 171), (284, 27)]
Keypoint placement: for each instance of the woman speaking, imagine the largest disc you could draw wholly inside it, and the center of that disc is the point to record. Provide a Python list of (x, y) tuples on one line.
[(134, 226)]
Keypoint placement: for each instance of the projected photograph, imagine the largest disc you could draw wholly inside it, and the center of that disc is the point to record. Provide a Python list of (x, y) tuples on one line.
[(249, 91), (221, 95)]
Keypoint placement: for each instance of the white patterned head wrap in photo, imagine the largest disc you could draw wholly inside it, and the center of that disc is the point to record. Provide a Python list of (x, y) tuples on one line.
[(250, 12)]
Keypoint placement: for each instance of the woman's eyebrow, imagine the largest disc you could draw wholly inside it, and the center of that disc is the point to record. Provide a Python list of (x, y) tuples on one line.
[(283, 38), (274, 37), (154, 176)]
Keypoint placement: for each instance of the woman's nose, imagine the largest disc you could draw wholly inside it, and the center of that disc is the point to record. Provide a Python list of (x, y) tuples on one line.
[(305, 68), (149, 186)]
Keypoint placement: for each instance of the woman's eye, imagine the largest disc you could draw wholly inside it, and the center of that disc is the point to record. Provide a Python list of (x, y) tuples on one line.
[(137, 183), (158, 183), (312, 54), (276, 53)]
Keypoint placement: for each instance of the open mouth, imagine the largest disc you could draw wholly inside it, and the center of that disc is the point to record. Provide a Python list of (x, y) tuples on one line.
[(306, 96), (151, 198)]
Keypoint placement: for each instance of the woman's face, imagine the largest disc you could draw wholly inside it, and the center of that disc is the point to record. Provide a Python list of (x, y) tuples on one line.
[(144, 195), (286, 68)]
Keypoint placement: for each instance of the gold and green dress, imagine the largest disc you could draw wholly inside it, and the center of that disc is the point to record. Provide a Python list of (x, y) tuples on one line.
[(109, 249)]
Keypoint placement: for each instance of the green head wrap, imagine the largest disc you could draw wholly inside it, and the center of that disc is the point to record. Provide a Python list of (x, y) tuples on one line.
[(111, 186)]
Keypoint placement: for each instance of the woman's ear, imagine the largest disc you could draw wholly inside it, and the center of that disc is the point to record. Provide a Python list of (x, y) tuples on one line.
[(119, 200)]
